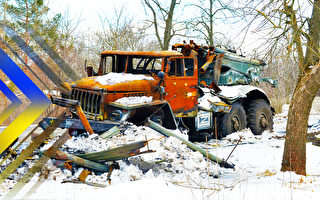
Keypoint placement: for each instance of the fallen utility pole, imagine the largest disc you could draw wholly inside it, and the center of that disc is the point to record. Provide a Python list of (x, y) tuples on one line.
[(191, 145)]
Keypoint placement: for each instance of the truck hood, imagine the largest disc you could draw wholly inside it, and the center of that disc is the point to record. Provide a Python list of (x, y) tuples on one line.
[(118, 82)]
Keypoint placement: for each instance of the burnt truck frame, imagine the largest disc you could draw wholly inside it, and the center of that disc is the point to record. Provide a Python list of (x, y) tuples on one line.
[(179, 78)]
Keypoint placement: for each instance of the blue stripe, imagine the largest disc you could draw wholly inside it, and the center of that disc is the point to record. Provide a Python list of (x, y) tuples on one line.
[(21, 80)]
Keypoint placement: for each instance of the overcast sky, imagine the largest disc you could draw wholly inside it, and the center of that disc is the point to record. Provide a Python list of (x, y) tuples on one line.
[(89, 11)]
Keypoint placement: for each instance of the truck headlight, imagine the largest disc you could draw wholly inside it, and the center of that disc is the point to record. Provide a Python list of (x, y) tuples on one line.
[(116, 115)]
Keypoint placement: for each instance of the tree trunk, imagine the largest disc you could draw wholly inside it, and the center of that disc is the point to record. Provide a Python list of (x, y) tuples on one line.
[(26, 36), (312, 52), (168, 29), (294, 155)]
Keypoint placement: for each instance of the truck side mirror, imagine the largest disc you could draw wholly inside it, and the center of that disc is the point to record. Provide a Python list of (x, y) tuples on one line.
[(161, 75), (160, 88), (89, 70)]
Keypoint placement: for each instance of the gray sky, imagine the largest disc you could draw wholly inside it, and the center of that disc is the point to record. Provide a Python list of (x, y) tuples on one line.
[(89, 10)]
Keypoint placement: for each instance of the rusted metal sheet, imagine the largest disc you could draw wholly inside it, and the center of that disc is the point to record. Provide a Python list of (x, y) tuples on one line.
[(117, 153), (84, 120), (205, 66)]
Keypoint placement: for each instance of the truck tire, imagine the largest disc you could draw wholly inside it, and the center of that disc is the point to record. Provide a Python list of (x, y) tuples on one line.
[(259, 116), (233, 121)]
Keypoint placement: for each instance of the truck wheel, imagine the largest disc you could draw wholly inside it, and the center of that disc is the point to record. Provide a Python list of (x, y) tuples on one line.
[(259, 116), (233, 121)]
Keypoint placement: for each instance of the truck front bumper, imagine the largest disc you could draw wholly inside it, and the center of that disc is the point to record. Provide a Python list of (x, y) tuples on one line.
[(98, 127)]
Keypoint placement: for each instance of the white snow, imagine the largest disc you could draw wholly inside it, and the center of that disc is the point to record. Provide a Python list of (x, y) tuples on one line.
[(237, 90), (176, 172), (134, 100), (232, 91), (52, 92), (204, 101), (115, 78)]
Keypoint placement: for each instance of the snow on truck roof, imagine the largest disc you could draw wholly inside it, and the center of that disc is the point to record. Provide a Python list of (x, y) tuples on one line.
[(143, 53)]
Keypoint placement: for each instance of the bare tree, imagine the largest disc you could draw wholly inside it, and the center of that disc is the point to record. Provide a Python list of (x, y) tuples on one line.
[(282, 67), (120, 33), (70, 44), (3, 8), (285, 22), (163, 19), (212, 11)]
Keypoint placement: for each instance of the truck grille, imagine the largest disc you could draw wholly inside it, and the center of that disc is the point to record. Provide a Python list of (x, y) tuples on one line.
[(89, 100)]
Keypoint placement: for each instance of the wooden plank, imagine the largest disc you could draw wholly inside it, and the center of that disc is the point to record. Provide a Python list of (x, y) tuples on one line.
[(29, 150)]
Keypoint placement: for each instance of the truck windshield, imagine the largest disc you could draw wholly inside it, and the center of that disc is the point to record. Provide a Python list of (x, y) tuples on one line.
[(144, 65), (131, 64)]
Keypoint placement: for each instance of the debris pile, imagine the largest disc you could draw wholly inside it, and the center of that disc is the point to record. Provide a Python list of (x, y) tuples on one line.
[(172, 160)]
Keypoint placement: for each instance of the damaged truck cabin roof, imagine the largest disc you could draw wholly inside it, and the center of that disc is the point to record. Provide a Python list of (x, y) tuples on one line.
[(143, 53)]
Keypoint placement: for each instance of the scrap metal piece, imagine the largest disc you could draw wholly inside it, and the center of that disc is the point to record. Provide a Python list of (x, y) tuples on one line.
[(191, 145), (110, 133), (206, 65), (84, 174), (83, 119), (118, 153), (88, 183), (68, 165), (217, 69), (70, 103), (81, 161), (234, 148), (114, 165)]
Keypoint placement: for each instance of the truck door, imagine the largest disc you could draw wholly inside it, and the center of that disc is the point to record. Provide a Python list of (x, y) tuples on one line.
[(180, 81)]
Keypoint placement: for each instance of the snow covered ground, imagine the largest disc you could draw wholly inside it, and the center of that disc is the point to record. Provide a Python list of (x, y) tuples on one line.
[(176, 172)]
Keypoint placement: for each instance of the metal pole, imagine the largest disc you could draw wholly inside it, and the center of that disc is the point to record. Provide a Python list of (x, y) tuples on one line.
[(191, 145)]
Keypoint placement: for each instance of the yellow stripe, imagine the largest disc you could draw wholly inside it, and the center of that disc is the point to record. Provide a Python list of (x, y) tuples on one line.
[(20, 124), (7, 112)]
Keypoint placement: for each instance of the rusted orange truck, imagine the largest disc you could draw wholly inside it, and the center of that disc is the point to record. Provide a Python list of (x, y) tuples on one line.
[(205, 90)]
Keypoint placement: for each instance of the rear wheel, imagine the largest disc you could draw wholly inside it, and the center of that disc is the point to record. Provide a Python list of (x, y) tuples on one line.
[(233, 121), (259, 116)]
